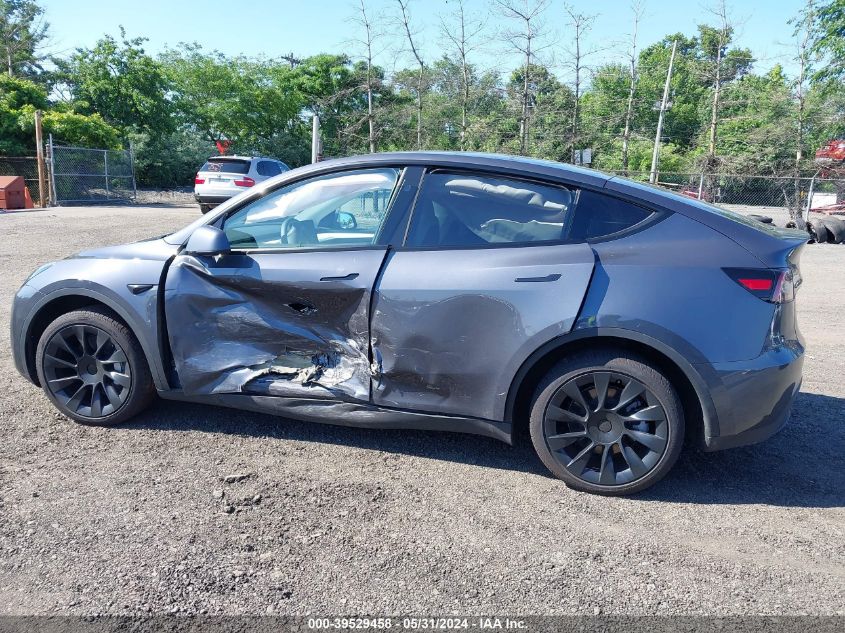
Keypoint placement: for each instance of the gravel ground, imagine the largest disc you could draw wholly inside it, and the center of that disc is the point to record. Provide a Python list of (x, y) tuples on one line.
[(330, 520)]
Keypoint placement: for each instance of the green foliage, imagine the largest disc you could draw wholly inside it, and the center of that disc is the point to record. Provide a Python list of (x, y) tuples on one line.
[(829, 40), (121, 83), (20, 98), (86, 130), (22, 31)]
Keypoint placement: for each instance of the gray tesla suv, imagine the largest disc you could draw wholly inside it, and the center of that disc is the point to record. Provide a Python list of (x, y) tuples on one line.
[(456, 292)]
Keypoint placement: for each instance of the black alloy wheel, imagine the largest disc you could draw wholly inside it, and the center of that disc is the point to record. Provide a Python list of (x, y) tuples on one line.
[(93, 368), (607, 423)]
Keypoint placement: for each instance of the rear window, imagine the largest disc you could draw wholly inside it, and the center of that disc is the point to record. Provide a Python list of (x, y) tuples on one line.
[(226, 166)]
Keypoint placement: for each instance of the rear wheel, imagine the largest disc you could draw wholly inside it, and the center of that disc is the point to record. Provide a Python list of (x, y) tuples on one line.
[(205, 208), (607, 422), (92, 368)]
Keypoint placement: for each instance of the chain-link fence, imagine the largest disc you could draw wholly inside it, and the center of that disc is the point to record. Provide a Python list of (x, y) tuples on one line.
[(777, 196), (27, 168), (80, 174)]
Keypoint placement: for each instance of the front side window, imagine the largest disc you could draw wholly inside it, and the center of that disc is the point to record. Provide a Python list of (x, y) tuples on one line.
[(465, 210), (336, 210)]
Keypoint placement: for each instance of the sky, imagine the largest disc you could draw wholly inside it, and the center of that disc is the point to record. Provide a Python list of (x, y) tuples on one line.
[(274, 28)]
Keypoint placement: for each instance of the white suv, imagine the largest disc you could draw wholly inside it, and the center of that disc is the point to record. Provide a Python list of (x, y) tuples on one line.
[(222, 177)]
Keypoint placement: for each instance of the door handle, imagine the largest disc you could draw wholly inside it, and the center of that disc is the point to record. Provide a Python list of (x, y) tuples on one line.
[(348, 277), (552, 277)]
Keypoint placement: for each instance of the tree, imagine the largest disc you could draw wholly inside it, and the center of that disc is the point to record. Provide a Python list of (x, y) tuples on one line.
[(637, 10), (523, 40), (121, 83), (22, 33), (804, 27), (368, 39), (405, 20), (579, 25), (20, 98), (725, 65), (829, 40), (462, 37)]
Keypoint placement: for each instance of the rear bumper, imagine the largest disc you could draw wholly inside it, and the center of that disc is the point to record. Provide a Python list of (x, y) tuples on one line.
[(209, 199), (753, 399)]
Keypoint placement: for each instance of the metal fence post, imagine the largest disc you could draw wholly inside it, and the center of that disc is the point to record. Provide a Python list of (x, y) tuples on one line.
[(132, 170), (106, 170), (810, 196), (54, 197), (700, 185)]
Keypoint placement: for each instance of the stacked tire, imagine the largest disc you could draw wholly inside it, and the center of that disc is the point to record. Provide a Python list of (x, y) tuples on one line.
[(828, 229)]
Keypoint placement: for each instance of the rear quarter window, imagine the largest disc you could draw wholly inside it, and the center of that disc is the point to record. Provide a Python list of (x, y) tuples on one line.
[(226, 166), (268, 168), (599, 216)]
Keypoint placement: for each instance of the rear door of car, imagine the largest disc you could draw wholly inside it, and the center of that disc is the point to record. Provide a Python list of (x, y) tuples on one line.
[(485, 276)]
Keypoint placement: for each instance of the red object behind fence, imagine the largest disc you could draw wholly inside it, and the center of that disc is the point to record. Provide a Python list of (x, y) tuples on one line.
[(12, 194)]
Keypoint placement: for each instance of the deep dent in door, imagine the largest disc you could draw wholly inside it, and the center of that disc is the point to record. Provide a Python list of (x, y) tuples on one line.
[(450, 329), (236, 332)]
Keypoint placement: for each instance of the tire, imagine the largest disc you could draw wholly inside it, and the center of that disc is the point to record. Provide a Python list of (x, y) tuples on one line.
[(93, 369), (205, 208), (765, 219), (639, 452), (835, 229), (818, 231)]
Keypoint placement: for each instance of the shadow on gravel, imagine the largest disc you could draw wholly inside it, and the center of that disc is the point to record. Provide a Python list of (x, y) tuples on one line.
[(802, 466), (453, 447)]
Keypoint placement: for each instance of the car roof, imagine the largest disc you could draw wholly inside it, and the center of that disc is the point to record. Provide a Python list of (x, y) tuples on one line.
[(226, 157), (515, 165)]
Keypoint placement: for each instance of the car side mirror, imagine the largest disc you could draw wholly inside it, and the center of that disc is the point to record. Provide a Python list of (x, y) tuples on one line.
[(346, 220), (208, 240)]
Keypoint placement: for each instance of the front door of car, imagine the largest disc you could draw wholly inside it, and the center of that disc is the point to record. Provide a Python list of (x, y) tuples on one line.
[(285, 313), (485, 277)]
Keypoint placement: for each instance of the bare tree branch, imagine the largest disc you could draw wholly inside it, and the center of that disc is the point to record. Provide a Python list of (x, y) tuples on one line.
[(405, 20), (462, 39)]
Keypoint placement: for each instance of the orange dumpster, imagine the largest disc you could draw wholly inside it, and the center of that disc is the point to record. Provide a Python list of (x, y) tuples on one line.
[(12, 192)]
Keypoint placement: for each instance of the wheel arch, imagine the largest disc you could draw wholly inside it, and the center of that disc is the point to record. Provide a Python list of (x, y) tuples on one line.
[(699, 411), (67, 300)]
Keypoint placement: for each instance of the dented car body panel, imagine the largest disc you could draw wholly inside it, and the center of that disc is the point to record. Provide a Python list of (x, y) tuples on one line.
[(391, 334), (286, 325), (450, 329)]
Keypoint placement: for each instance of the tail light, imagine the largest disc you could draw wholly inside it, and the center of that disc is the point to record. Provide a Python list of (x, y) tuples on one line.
[(246, 181), (774, 286), (198, 180)]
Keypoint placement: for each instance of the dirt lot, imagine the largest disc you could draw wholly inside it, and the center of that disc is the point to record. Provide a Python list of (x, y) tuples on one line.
[(332, 520)]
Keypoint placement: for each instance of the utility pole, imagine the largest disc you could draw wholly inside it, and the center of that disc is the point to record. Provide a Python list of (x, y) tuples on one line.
[(316, 142), (655, 155), (39, 153)]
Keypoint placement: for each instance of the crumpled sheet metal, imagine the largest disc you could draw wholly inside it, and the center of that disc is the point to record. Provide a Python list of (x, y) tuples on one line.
[(237, 331)]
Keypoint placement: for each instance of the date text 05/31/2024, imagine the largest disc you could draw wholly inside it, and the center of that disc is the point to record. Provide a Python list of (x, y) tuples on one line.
[(423, 624)]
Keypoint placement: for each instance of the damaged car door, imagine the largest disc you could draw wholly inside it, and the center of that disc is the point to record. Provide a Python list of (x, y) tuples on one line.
[(285, 311), (486, 276)]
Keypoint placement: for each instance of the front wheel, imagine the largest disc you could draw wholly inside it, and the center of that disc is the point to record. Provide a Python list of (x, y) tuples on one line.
[(92, 368), (607, 422)]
